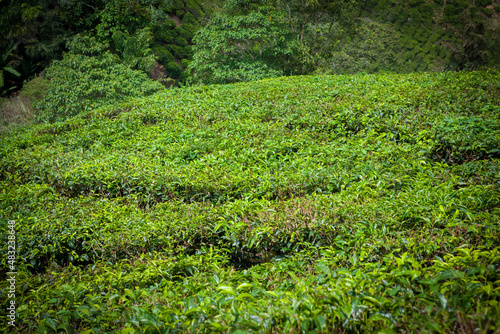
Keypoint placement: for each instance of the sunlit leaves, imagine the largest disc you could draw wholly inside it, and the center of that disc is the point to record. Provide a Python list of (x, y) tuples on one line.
[(243, 47), (293, 205)]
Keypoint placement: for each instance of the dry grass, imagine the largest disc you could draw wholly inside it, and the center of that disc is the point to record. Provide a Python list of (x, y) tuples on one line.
[(15, 111)]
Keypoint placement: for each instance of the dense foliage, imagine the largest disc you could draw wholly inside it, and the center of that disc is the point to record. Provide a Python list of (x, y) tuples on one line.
[(247, 43), (372, 48), (88, 77), (343, 37), (301, 204), (40, 30), (242, 40)]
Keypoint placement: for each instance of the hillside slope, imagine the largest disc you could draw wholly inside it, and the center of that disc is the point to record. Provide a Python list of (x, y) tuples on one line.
[(328, 204), (432, 34)]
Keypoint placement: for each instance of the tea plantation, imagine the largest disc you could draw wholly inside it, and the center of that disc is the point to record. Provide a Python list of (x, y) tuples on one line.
[(316, 204)]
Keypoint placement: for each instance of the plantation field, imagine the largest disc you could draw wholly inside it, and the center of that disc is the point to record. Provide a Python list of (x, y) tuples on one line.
[(316, 204)]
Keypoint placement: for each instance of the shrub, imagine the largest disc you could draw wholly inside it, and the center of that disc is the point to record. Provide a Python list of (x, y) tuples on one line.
[(185, 77), (190, 19), (164, 56), (450, 10), (421, 36), (181, 42), (472, 50), (427, 11), (433, 52), (173, 69), (487, 11), (79, 82), (415, 15), (176, 50), (163, 31), (427, 48), (415, 2), (473, 11), (194, 8), (442, 52), (462, 4), (172, 6), (483, 3), (188, 51), (169, 24), (120, 16), (164, 36), (190, 31), (182, 32), (412, 31)]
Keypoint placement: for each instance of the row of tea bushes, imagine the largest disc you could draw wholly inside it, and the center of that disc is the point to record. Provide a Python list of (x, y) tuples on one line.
[(301, 204)]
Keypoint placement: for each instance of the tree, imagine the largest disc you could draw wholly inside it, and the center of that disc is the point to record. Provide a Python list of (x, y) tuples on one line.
[(121, 15), (40, 29), (250, 41)]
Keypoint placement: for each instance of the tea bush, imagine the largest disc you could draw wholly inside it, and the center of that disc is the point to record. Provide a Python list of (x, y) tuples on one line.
[(323, 204)]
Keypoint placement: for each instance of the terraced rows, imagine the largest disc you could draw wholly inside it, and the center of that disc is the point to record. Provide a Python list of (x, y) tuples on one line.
[(301, 204)]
